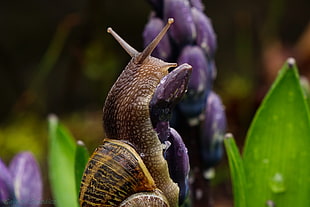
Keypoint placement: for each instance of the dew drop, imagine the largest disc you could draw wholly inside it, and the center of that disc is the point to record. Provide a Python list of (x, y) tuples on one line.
[(277, 184), (270, 203), (142, 155)]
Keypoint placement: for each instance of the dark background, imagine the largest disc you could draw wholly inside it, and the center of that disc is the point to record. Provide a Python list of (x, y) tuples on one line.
[(56, 57)]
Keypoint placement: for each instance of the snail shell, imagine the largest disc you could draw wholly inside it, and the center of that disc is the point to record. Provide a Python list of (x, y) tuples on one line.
[(113, 176)]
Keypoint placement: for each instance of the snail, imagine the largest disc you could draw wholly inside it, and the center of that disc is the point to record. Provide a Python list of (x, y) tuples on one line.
[(129, 169)]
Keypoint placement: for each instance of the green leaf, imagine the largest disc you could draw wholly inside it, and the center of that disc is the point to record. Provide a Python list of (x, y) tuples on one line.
[(81, 159), (276, 154), (61, 164), (236, 171)]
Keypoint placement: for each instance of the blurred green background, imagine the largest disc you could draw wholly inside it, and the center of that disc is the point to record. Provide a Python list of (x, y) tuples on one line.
[(56, 57)]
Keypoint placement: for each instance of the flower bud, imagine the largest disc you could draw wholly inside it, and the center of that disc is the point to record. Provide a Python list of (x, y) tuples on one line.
[(168, 93), (183, 29), (178, 162), (200, 83), (151, 30), (212, 131), (27, 179), (206, 37)]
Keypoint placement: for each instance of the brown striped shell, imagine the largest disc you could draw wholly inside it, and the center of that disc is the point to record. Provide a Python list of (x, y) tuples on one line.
[(115, 172)]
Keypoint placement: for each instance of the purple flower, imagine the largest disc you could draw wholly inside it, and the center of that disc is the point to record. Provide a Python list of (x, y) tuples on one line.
[(213, 130), (206, 37), (168, 93), (151, 30), (183, 30), (178, 161), (191, 40), (21, 182), (200, 83), (201, 79)]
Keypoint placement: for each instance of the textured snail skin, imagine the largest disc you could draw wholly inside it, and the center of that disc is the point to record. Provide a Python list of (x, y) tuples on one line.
[(126, 117)]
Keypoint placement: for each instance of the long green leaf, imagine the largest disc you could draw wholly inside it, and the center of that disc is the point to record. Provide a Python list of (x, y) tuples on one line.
[(61, 164), (277, 150), (81, 159), (236, 171)]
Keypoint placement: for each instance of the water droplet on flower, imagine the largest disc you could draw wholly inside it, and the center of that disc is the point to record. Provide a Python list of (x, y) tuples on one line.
[(277, 183), (142, 155)]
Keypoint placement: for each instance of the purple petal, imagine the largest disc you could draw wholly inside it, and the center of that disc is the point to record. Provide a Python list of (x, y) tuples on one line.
[(201, 79), (200, 83), (151, 30), (206, 37), (6, 184), (183, 29), (26, 179), (168, 93), (213, 130), (4, 193), (178, 162)]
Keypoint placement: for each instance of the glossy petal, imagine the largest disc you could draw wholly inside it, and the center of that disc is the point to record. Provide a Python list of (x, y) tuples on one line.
[(178, 162), (151, 30), (183, 30), (200, 83), (213, 131), (27, 179), (206, 37), (6, 184), (168, 93), (201, 76)]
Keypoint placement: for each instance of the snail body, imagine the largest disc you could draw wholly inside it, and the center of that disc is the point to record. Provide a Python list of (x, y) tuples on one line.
[(127, 124)]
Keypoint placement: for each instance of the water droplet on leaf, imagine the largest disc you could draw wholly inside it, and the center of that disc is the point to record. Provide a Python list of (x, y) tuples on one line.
[(277, 183), (270, 203)]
